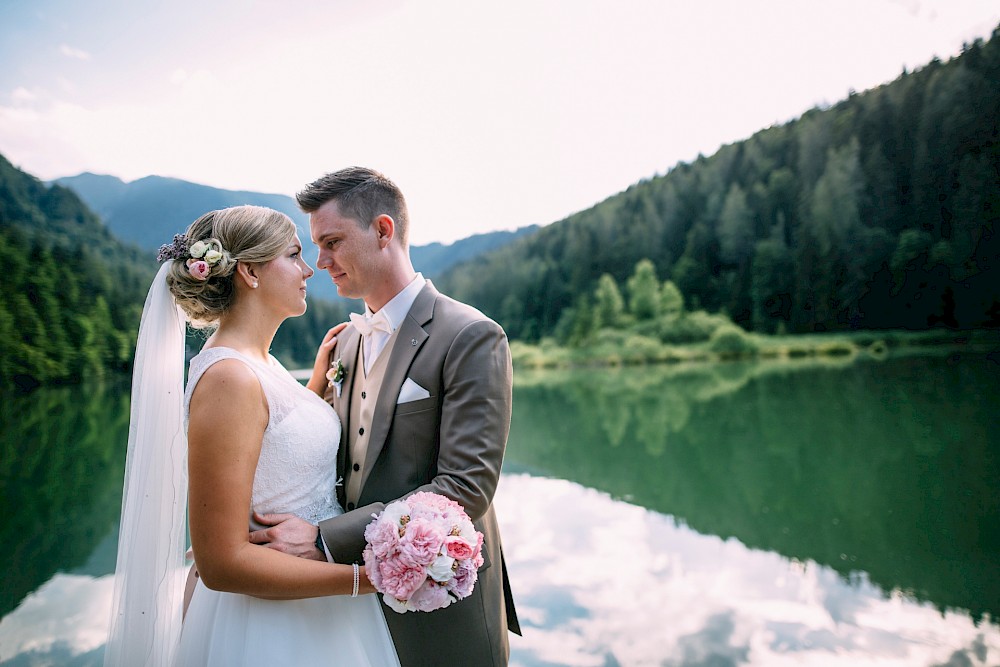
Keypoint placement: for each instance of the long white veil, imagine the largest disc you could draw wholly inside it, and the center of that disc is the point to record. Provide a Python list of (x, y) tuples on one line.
[(149, 577)]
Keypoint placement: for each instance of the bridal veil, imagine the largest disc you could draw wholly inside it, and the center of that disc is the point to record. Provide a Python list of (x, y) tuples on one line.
[(149, 578)]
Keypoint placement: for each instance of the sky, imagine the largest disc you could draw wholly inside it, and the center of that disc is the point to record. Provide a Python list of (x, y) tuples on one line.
[(488, 115)]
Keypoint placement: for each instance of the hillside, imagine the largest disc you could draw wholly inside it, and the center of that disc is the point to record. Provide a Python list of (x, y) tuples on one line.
[(879, 212), (73, 293)]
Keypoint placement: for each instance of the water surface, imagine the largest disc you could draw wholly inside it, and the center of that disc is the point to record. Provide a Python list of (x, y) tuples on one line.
[(758, 514)]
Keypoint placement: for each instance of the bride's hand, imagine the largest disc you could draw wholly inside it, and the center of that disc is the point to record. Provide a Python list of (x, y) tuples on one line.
[(318, 382), (287, 533)]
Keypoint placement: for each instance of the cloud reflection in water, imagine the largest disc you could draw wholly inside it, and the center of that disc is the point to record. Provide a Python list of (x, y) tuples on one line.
[(601, 582), (65, 622)]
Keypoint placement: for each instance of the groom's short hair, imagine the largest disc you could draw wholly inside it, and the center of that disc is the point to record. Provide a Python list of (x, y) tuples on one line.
[(361, 193)]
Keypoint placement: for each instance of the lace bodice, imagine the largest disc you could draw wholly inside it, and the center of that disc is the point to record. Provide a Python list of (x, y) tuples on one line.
[(297, 469)]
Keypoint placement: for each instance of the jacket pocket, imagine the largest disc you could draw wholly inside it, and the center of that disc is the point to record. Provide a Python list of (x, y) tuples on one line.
[(412, 407)]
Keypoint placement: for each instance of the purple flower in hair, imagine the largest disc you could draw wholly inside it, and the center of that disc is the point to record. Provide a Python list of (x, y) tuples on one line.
[(178, 249)]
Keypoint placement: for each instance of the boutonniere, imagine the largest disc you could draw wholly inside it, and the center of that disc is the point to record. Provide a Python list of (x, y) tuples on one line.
[(336, 375)]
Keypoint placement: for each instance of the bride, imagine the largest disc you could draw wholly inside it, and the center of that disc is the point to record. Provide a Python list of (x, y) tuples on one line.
[(256, 441)]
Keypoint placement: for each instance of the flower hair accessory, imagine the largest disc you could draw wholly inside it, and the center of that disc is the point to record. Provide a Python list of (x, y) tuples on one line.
[(201, 255), (178, 249)]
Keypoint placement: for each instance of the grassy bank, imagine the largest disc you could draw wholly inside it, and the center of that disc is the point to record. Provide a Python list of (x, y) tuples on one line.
[(612, 347)]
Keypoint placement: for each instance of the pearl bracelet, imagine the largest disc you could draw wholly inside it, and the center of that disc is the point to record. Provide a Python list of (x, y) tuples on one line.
[(357, 580)]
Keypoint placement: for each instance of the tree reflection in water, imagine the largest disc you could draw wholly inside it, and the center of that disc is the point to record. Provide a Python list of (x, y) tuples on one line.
[(888, 469)]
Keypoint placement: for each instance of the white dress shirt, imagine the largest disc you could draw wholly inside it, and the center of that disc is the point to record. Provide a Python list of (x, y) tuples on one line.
[(393, 313)]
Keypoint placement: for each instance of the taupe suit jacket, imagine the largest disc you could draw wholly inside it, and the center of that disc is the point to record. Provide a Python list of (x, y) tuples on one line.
[(451, 443)]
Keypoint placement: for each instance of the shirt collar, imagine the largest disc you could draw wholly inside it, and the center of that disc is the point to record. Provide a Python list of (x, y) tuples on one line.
[(395, 311)]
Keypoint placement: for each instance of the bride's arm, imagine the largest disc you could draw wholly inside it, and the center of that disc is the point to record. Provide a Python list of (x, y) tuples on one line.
[(228, 415)]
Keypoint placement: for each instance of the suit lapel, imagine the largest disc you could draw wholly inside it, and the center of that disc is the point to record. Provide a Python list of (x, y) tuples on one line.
[(347, 351), (410, 337)]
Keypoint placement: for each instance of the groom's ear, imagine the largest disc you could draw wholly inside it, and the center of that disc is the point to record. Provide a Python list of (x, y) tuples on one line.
[(385, 229)]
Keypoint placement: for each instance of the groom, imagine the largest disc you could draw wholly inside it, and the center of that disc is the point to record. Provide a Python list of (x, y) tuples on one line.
[(424, 405)]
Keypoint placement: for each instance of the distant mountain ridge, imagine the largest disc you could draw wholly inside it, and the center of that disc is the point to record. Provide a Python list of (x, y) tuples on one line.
[(150, 210)]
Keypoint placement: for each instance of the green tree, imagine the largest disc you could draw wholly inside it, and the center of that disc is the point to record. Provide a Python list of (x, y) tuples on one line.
[(671, 300), (825, 262), (771, 288), (736, 227), (608, 303), (644, 291)]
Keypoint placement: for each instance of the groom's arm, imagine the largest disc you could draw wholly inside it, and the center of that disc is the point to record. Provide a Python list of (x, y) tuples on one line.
[(475, 422), (475, 417)]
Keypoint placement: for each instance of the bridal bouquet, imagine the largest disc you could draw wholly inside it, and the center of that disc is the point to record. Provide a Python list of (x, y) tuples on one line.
[(423, 553)]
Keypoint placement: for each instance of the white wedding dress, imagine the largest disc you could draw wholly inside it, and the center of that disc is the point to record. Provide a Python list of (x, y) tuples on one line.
[(296, 474)]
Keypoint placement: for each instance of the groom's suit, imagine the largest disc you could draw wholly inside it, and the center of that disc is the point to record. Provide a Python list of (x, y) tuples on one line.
[(452, 443)]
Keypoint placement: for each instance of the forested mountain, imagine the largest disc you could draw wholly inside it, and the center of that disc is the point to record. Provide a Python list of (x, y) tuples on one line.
[(72, 293), (878, 212), (149, 211)]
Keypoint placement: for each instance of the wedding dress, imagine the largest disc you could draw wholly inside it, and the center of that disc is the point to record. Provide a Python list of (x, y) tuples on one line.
[(296, 474)]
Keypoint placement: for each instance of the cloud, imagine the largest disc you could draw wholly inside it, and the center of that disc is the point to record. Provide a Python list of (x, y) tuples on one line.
[(72, 52), (22, 95)]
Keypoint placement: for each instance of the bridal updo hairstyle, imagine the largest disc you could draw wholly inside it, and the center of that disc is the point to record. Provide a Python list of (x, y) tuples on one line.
[(250, 234)]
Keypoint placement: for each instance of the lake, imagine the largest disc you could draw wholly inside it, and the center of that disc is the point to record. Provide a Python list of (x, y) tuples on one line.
[(782, 513)]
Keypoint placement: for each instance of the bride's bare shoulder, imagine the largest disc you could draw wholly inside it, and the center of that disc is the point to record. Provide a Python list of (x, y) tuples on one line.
[(227, 387)]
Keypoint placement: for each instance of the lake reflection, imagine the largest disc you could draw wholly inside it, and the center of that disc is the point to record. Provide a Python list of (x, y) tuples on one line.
[(600, 582), (764, 514)]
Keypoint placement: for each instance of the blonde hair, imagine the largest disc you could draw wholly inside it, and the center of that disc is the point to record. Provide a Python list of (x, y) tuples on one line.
[(249, 234)]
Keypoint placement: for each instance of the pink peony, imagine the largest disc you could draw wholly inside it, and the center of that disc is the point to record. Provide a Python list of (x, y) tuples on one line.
[(198, 268), (372, 568), (424, 503), (429, 597), (400, 580), (421, 543), (458, 548), (464, 580), (383, 537)]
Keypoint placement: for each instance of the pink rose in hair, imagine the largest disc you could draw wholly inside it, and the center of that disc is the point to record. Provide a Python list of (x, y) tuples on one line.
[(421, 543), (198, 268)]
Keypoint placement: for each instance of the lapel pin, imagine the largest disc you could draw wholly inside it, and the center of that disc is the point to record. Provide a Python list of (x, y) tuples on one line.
[(413, 342)]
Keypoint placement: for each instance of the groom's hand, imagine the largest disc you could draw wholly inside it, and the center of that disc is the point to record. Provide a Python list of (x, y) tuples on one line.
[(287, 533)]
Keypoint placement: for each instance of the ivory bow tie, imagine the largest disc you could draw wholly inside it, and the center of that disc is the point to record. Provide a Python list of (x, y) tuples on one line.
[(366, 325)]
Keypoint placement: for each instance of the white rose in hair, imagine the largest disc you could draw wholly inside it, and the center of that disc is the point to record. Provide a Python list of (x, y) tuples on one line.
[(198, 249), (213, 256)]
